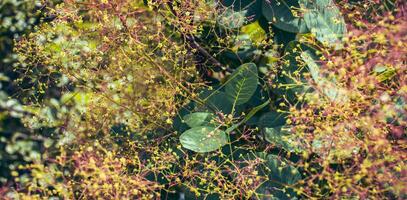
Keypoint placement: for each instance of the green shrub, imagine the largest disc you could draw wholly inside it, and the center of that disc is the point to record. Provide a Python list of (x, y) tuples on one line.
[(241, 99)]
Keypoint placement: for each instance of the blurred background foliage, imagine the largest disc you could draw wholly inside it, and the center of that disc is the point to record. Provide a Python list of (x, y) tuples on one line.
[(19, 145)]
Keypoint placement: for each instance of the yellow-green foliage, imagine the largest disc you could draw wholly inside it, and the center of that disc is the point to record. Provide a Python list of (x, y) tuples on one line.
[(125, 71)]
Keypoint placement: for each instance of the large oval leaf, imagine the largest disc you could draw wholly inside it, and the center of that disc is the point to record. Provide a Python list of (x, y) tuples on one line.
[(280, 13), (216, 100), (325, 21), (203, 139), (242, 84), (198, 119)]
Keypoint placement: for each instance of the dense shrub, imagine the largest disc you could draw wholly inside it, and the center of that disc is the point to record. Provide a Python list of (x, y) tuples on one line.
[(259, 99)]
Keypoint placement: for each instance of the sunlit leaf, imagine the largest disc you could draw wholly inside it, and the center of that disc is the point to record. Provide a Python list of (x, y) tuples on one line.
[(325, 21), (242, 84), (254, 31), (198, 119), (203, 139)]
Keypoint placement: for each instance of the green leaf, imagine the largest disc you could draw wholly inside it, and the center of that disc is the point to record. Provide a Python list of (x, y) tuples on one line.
[(203, 139), (283, 178), (269, 61), (248, 116), (255, 110), (255, 32), (231, 19), (178, 121), (280, 13), (328, 88), (325, 21), (242, 84), (216, 99), (272, 119), (252, 8), (340, 148), (313, 68), (291, 80), (281, 137), (198, 119)]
